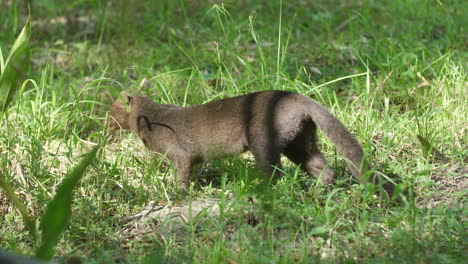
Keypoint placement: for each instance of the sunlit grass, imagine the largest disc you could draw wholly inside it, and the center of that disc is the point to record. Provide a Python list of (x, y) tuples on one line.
[(390, 70)]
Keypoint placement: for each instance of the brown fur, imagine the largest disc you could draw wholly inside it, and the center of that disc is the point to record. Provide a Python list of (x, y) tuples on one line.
[(268, 123)]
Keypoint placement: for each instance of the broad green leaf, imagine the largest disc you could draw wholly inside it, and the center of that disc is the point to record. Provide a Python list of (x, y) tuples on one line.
[(15, 67), (28, 221), (16, 63), (58, 210)]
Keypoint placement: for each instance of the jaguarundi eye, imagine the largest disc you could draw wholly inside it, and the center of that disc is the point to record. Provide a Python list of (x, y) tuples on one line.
[(129, 100)]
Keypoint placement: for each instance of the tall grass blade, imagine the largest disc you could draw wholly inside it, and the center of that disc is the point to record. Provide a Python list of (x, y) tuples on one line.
[(429, 149), (2, 63), (15, 66), (58, 210)]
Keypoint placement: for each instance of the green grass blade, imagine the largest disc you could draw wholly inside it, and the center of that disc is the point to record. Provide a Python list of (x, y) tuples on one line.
[(15, 67), (28, 221), (58, 210), (2, 63)]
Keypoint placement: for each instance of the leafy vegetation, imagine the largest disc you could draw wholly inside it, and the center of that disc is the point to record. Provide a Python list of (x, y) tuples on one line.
[(59, 209), (393, 71)]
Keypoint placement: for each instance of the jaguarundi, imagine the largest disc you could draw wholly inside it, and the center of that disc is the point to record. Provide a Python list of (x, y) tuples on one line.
[(268, 123)]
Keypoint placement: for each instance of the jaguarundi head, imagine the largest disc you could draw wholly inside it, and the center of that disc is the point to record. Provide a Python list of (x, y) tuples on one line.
[(119, 114)]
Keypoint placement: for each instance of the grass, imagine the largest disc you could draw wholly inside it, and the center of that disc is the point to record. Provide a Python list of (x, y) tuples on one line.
[(392, 70)]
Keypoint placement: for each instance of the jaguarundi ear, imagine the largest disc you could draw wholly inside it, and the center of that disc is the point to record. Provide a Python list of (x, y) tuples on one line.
[(129, 99), (126, 98)]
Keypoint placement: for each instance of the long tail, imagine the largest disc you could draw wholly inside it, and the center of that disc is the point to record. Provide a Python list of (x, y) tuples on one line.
[(344, 141), (350, 148)]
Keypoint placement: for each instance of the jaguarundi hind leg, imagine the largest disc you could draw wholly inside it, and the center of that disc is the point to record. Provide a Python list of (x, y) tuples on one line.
[(303, 150)]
